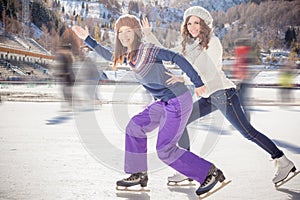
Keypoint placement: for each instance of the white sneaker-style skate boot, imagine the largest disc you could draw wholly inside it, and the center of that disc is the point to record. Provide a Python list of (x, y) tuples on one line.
[(283, 167), (177, 178)]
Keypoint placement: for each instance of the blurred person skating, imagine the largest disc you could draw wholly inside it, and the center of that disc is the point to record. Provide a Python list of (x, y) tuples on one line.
[(64, 71), (204, 51), (286, 82), (169, 112), (90, 76), (241, 72)]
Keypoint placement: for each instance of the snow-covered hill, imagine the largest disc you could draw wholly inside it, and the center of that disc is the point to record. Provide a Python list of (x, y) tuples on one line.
[(170, 9), (209, 4)]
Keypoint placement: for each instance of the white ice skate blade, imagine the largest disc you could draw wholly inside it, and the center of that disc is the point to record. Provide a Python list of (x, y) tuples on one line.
[(205, 195), (128, 189), (287, 179), (183, 183)]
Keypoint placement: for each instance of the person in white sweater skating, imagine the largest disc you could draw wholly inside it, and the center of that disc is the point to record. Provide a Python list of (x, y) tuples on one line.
[(204, 51)]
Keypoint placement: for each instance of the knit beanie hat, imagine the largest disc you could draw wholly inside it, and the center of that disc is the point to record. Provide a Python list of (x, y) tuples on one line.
[(199, 12), (131, 21)]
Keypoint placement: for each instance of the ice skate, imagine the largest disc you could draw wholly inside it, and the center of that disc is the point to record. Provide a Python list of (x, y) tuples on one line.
[(214, 176), (179, 179), (283, 168), (140, 178)]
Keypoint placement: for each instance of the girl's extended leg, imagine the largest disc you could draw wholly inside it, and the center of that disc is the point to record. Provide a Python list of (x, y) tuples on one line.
[(228, 102)]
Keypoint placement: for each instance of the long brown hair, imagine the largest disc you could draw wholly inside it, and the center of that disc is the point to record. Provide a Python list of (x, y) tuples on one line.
[(204, 35), (121, 51)]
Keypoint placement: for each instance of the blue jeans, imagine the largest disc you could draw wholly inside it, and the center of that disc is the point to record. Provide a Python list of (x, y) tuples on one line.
[(227, 101)]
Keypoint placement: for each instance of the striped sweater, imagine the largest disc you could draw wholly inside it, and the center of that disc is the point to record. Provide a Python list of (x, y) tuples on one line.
[(149, 70)]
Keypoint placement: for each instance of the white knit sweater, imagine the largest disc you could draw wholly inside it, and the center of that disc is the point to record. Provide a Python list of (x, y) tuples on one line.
[(207, 62)]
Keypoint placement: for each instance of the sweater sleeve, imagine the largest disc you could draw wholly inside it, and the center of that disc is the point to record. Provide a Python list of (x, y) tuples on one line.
[(184, 65), (102, 51)]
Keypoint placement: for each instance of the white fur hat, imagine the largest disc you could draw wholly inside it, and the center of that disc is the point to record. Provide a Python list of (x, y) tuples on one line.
[(199, 12)]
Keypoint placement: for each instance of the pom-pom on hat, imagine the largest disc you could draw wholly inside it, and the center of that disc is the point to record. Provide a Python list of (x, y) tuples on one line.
[(199, 12)]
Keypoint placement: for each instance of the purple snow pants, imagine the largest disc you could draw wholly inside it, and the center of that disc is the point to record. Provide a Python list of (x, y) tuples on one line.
[(171, 118)]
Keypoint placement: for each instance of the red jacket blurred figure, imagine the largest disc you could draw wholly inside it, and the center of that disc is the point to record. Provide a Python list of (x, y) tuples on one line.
[(240, 70)]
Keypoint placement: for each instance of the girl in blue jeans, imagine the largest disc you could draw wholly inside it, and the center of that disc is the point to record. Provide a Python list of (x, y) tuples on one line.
[(204, 51), (169, 112)]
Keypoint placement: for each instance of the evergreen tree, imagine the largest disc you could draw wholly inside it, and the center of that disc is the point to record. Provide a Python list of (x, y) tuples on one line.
[(290, 37), (41, 15)]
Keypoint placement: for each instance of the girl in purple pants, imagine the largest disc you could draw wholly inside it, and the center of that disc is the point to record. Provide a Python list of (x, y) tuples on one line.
[(169, 112)]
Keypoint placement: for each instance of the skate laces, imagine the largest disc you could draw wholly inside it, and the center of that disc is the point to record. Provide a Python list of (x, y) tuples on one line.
[(134, 177), (207, 180), (211, 173)]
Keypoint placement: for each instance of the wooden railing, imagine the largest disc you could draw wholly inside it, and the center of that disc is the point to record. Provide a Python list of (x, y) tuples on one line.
[(25, 53)]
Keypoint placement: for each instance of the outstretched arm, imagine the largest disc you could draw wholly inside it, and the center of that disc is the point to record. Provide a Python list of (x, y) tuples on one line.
[(91, 42)]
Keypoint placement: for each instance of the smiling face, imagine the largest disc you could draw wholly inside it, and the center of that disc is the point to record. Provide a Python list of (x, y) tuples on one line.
[(126, 36), (193, 26)]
